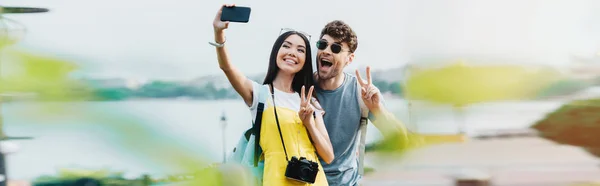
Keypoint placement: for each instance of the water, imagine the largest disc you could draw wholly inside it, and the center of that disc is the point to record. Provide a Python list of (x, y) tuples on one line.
[(67, 142)]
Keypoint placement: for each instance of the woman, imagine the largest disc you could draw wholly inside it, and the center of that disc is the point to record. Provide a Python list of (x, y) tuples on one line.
[(289, 72)]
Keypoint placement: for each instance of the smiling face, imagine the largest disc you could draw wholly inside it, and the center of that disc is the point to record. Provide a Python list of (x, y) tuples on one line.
[(292, 54), (329, 63), (288, 57)]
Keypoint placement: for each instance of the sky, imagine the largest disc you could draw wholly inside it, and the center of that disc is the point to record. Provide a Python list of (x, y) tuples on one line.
[(143, 39)]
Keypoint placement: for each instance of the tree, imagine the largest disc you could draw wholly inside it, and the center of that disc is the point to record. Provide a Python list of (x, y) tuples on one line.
[(395, 88), (382, 85)]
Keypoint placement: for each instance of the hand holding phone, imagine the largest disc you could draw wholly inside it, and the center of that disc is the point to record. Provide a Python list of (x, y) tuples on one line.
[(217, 23), (230, 13)]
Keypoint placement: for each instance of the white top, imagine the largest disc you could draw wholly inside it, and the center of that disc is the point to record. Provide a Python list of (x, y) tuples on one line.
[(282, 99)]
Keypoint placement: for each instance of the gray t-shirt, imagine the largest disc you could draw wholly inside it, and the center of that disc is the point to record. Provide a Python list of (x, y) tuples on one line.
[(342, 120)]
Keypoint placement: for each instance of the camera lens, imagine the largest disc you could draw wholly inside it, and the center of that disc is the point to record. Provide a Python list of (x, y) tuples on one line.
[(305, 171)]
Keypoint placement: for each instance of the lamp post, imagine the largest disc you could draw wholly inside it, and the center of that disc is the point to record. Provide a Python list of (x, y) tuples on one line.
[(412, 122), (459, 118), (223, 126), (10, 32)]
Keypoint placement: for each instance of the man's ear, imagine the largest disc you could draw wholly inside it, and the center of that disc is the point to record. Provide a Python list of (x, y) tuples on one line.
[(349, 58)]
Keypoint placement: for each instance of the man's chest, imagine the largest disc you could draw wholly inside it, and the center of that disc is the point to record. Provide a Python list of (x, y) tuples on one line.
[(340, 111)]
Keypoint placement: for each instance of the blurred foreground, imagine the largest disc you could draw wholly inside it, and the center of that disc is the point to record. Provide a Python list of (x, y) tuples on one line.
[(409, 161)]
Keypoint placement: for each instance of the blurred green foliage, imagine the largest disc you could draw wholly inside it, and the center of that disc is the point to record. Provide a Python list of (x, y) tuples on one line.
[(48, 77), (462, 84)]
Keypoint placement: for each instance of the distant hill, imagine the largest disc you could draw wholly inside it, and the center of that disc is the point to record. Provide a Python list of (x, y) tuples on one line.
[(388, 75)]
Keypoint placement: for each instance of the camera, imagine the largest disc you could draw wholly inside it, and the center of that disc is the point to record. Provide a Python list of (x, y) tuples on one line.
[(302, 170)]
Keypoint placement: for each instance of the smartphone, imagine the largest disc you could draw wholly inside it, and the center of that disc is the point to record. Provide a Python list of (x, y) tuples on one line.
[(238, 14)]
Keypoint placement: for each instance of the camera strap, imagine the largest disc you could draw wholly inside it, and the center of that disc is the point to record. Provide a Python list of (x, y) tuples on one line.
[(277, 120)]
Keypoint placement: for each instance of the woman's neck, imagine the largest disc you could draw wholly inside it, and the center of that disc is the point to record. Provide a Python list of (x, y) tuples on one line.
[(283, 82)]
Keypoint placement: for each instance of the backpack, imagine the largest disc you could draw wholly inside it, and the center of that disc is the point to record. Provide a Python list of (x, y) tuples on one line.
[(364, 114), (247, 152)]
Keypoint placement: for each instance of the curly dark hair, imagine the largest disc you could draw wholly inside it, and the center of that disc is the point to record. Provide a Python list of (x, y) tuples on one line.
[(341, 31)]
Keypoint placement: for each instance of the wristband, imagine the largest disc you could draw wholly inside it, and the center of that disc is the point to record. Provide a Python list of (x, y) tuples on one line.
[(218, 45)]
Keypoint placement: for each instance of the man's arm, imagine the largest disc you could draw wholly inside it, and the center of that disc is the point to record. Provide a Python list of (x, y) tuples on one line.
[(391, 128), (388, 124)]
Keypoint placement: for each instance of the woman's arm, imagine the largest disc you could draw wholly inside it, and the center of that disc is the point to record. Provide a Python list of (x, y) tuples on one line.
[(320, 137), (313, 121), (240, 83)]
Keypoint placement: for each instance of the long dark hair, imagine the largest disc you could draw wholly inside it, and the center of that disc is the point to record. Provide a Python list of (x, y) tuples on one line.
[(302, 77)]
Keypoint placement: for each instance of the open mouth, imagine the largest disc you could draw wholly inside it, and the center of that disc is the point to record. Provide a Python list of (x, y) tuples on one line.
[(326, 63)]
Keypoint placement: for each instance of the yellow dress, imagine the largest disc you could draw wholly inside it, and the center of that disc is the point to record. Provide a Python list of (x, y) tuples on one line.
[(297, 143)]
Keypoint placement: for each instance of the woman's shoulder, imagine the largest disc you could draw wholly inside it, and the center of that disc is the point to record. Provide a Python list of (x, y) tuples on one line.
[(260, 93), (258, 87), (254, 83)]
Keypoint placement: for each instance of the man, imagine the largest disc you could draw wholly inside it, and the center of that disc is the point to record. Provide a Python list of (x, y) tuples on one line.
[(343, 97)]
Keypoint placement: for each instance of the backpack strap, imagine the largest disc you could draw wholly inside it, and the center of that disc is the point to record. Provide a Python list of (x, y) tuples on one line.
[(262, 98), (364, 114)]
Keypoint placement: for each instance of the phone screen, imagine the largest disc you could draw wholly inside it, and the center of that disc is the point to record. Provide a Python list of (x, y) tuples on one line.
[(236, 14)]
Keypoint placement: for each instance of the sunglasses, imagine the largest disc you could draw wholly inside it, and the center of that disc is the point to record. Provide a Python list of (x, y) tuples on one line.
[(335, 47), (284, 30)]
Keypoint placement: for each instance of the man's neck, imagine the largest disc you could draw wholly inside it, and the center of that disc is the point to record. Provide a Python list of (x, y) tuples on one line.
[(332, 83)]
